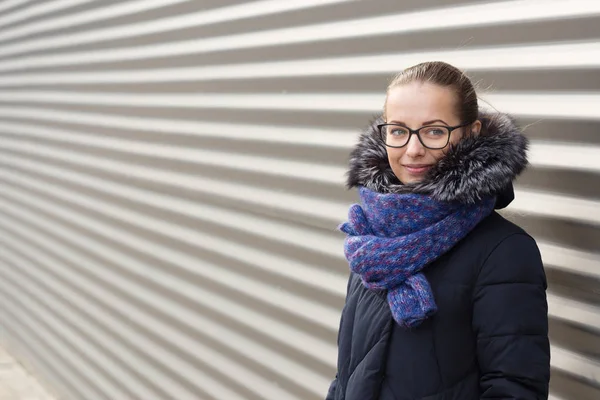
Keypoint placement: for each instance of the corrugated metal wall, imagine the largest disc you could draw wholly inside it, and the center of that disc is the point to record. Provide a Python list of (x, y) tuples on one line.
[(171, 178)]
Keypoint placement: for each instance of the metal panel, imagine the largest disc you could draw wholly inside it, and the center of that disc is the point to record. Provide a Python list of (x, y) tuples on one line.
[(172, 175)]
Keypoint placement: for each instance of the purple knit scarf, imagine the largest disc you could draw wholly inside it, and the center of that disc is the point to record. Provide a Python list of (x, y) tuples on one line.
[(392, 237)]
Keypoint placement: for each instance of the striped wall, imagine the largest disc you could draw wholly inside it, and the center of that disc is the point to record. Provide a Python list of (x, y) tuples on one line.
[(171, 176)]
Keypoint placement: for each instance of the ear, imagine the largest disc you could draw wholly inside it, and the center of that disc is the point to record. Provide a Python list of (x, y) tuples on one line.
[(476, 128)]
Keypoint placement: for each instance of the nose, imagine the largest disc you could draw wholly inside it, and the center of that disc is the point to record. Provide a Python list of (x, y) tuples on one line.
[(414, 148)]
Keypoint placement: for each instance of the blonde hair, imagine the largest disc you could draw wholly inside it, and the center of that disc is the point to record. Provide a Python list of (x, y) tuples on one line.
[(445, 75)]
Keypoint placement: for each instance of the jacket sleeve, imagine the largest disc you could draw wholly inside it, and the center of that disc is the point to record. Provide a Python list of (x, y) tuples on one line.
[(334, 383), (332, 388), (510, 319)]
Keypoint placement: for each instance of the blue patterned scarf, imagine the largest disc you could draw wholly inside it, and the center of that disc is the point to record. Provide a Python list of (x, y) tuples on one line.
[(392, 237)]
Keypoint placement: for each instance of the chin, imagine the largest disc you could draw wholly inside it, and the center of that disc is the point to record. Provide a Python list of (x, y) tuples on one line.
[(409, 179)]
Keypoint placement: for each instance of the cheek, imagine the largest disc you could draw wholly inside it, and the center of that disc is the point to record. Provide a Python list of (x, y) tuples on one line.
[(394, 155), (438, 154)]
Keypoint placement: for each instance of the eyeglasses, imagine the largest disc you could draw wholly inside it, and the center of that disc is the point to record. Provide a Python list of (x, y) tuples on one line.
[(433, 137)]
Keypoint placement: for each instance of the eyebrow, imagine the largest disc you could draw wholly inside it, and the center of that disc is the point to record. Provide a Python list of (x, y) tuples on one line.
[(424, 123)]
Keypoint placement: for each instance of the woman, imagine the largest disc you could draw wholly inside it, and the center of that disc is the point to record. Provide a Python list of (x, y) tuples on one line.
[(446, 299)]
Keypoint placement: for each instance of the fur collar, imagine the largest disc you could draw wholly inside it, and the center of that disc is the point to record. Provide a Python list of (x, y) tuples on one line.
[(476, 168)]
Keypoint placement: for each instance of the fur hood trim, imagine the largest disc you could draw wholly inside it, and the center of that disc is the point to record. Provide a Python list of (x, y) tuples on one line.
[(475, 168)]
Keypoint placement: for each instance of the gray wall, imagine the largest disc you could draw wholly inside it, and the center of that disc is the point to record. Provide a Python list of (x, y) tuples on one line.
[(171, 178)]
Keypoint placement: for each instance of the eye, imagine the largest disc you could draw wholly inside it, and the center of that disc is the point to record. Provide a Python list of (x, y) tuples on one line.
[(397, 131), (436, 131)]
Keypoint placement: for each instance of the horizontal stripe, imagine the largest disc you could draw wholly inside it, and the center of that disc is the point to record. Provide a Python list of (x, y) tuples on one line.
[(541, 154), (172, 179), (554, 205), (506, 58), (579, 157), (234, 340), (167, 282), (40, 9), (296, 236), (502, 12), (553, 105), (301, 272), (570, 260), (61, 349), (276, 167), (576, 312), (135, 340), (575, 364), (202, 18), (527, 201), (288, 302), (330, 214), (330, 138), (6, 4)]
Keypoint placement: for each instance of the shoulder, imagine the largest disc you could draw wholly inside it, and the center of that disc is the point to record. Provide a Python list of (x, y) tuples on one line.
[(500, 247), (496, 231), (515, 259), (511, 255), (495, 228), (502, 234)]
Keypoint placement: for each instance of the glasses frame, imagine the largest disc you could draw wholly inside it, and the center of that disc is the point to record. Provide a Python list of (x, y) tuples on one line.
[(417, 132)]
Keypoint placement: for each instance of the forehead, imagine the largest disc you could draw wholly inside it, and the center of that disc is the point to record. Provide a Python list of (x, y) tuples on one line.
[(416, 102)]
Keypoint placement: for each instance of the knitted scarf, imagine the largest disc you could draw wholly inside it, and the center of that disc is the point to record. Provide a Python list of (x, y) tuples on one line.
[(391, 237)]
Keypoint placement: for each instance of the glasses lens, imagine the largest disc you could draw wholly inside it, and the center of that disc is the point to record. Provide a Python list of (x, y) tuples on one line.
[(435, 137), (395, 135)]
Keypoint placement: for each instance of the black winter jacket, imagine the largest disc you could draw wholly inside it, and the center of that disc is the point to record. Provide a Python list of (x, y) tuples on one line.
[(489, 338)]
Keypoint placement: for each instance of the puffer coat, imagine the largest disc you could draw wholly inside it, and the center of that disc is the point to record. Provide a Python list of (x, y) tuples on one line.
[(489, 337)]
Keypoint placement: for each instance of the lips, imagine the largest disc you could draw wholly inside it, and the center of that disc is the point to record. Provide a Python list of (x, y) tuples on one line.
[(417, 169)]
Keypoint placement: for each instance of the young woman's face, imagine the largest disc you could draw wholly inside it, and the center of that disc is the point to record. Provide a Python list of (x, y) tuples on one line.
[(415, 105)]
